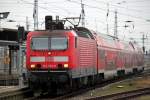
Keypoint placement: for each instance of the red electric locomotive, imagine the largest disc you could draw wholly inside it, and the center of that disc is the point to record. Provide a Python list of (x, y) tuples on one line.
[(59, 58)]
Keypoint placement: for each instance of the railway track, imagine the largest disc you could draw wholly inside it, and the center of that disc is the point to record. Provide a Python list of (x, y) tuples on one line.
[(103, 84), (27, 94), (74, 93), (17, 94), (124, 95)]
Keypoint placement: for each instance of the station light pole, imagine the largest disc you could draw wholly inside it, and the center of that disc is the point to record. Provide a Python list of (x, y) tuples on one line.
[(21, 34), (35, 14), (116, 25), (82, 14), (107, 15), (116, 21)]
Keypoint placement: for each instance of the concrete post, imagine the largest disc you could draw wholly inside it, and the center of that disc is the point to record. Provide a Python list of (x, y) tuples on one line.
[(20, 66)]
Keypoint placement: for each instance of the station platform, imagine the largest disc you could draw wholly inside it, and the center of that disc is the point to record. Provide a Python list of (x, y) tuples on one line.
[(6, 80), (14, 92), (4, 89), (8, 88)]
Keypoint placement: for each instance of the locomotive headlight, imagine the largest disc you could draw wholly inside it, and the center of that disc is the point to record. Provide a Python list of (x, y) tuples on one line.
[(65, 65), (32, 66)]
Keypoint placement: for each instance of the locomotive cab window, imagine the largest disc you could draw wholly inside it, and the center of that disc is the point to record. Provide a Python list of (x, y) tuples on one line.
[(39, 43), (59, 43), (49, 43)]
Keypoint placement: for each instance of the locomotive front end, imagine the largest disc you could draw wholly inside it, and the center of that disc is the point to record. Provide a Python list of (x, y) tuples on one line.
[(49, 58), (49, 53)]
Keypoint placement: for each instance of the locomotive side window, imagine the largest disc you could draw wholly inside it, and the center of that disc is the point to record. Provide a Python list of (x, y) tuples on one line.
[(85, 34)]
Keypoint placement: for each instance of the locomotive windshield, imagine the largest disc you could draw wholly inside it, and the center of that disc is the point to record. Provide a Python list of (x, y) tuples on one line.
[(48, 43)]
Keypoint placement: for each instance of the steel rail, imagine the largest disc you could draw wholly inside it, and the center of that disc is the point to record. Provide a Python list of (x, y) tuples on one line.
[(101, 85), (18, 94), (123, 95)]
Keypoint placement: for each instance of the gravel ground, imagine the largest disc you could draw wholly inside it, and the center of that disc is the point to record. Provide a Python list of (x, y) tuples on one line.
[(127, 85)]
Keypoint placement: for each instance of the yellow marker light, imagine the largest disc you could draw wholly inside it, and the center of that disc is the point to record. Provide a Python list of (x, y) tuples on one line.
[(65, 65), (32, 66)]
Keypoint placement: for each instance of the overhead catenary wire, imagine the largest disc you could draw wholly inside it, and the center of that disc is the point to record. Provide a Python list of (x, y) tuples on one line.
[(103, 9), (43, 8), (26, 2), (114, 5), (138, 1), (89, 5)]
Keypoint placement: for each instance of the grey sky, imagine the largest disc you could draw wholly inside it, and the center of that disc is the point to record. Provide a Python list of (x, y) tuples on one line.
[(137, 11)]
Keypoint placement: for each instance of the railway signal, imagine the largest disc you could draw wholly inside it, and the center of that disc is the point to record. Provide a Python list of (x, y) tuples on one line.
[(21, 34)]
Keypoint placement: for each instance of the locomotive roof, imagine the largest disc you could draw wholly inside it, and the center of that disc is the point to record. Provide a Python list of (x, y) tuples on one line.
[(78, 31), (102, 39), (52, 33)]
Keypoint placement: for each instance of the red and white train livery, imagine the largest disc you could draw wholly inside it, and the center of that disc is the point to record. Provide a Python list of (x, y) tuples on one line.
[(77, 56)]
